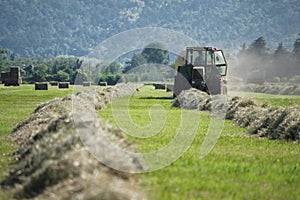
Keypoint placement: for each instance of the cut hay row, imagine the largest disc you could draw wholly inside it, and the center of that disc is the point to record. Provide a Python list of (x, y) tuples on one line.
[(52, 161), (268, 89), (260, 120)]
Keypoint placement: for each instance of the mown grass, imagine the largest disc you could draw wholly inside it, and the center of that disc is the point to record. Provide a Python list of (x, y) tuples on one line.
[(274, 100), (239, 166), (17, 103)]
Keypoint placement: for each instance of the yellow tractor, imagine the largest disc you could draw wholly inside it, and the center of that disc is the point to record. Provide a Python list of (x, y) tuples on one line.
[(204, 68)]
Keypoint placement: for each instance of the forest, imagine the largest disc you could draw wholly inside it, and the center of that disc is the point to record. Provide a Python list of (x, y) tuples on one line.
[(75, 27)]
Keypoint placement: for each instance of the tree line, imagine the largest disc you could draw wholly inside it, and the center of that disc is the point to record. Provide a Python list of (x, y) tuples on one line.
[(77, 70), (257, 63), (253, 63)]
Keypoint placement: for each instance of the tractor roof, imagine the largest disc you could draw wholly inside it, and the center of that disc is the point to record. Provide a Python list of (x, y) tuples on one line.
[(201, 48)]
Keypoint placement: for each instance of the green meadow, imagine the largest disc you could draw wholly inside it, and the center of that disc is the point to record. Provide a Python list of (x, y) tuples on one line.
[(238, 167)]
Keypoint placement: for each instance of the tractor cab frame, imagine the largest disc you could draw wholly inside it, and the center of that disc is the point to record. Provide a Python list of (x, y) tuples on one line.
[(205, 68)]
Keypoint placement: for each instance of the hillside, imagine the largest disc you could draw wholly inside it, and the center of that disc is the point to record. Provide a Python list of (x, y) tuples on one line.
[(74, 27)]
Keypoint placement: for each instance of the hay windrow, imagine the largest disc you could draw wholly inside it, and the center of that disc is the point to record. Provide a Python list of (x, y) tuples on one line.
[(267, 88), (192, 99), (260, 120), (53, 163)]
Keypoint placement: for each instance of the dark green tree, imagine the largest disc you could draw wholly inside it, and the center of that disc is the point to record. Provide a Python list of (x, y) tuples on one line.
[(4, 61), (259, 47), (112, 73), (156, 53), (40, 73), (295, 66), (280, 61), (280, 50), (62, 76), (29, 70), (113, 68), (137, 60)]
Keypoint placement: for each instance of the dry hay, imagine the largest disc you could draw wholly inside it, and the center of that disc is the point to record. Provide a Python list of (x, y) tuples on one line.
[(260, 120), (122, 89), (52, 162), (192, 99), (268, 89), (270, 122)]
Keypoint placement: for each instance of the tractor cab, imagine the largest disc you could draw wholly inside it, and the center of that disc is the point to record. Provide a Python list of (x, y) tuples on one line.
[(204, 68)]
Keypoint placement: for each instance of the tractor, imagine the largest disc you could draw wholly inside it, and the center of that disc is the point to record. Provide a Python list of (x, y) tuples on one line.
[(203, 68)]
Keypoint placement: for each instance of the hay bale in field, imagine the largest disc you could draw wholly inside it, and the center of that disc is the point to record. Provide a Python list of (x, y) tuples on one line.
[(12, 78), (103, 83), (169, 87), (54, 83), (159, 86), (63, 85), (86, 84), (41, 86)]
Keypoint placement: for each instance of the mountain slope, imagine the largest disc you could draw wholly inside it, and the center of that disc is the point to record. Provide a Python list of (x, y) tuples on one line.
[(45, 28)]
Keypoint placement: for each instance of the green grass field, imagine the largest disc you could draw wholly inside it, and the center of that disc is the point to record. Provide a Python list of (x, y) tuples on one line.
[(239, 166)]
